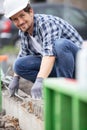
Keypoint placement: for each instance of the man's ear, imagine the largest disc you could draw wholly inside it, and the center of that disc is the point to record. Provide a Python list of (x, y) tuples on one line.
[(31, 12)]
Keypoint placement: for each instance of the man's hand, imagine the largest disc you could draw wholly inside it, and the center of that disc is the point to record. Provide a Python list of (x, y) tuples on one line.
[(36, 90), (14, 85)]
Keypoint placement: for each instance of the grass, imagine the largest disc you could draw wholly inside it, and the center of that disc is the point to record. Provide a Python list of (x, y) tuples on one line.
[(9, 50)]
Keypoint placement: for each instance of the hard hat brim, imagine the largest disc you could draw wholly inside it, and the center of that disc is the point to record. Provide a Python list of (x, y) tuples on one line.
[(15, 11)]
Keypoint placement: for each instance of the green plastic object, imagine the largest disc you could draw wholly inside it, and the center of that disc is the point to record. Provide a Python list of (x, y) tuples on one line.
[(65, 106)]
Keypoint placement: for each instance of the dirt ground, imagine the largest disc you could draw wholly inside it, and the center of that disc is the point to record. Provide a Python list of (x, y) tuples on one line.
[(25, 86)]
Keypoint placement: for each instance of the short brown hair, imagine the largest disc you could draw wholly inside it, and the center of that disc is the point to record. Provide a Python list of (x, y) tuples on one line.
[(27, 8)]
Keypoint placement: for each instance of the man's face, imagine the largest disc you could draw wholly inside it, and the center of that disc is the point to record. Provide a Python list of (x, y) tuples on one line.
[(23, 20)]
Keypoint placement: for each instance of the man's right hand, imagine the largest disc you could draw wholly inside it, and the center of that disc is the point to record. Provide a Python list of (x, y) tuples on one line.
[(14, 85)]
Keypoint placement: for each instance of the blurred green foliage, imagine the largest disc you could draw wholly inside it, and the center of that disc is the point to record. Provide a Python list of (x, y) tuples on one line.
[(9, 50)]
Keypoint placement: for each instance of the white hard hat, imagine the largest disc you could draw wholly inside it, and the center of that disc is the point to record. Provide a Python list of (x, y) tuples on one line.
[(12, 7)]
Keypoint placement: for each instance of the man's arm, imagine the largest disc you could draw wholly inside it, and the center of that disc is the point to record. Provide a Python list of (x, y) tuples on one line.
[(45, 69), (46, 66)]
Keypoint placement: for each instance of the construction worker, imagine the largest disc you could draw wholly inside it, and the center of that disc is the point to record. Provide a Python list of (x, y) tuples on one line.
[(48, 46)]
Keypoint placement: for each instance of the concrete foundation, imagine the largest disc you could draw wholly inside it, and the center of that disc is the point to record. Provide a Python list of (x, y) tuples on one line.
[(14, 108)]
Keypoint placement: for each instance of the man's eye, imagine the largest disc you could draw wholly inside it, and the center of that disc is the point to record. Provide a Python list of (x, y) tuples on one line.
[(22, 15), (14, 20)]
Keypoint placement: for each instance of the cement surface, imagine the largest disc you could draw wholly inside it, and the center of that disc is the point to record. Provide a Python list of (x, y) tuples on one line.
[(13, 107)]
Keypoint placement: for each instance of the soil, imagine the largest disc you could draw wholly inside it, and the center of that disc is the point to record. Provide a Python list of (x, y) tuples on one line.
[(26, 86), (9, 123)]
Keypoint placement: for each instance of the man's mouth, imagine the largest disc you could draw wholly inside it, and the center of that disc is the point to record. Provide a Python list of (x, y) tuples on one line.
[(22, 26)]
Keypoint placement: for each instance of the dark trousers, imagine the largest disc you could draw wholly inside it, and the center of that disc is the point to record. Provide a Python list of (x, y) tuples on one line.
[(65, 52)]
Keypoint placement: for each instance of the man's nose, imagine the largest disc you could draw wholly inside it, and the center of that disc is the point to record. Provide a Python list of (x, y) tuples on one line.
[(20, 21)]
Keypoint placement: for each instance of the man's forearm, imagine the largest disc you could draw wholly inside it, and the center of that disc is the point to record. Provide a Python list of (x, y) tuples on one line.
[(46, 66)]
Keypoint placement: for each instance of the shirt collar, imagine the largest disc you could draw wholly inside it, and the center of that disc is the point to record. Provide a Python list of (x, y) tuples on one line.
[(35, 26)]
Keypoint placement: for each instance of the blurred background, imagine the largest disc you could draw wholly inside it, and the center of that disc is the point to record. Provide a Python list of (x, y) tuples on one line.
[(73, 11)]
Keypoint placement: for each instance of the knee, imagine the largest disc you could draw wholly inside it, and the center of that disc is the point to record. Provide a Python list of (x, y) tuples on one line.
[(61, 43), (16, 66), (64, 45)]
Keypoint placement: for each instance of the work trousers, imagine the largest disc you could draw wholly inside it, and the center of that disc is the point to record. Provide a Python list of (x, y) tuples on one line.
[(65, 52)]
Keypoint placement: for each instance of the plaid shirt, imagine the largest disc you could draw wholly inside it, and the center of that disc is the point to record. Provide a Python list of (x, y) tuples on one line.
[(47, 29)]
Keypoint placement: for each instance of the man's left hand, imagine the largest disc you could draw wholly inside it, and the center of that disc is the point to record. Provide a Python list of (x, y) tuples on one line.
[(36, 90)]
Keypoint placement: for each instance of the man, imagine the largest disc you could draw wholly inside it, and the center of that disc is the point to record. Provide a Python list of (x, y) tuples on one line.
[(48, 46)]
